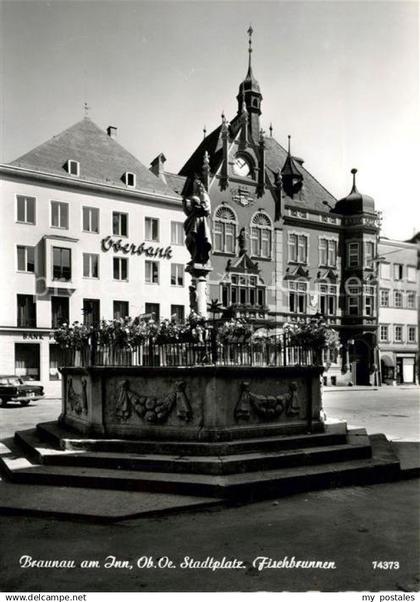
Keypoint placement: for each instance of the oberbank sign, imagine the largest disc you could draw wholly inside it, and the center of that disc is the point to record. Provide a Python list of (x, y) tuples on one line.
[(119, 246)]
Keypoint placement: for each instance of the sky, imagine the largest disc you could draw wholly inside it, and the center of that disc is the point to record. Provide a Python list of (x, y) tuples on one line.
[(341, 77)]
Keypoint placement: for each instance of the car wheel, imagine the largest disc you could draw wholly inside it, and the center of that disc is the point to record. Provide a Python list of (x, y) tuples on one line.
[(24, 402), (3, 403)]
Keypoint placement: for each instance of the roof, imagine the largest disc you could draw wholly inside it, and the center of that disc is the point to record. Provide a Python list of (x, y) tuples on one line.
[(415, 239), (176, 182), (356, 202), (213, 145), (102, 159), (312, 195)]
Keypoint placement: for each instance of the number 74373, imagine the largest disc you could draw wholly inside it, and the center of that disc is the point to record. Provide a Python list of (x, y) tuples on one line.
[(385, 564)]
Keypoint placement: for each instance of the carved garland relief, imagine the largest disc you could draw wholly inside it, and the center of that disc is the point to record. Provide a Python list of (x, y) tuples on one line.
[(266, 406), (152, 409)]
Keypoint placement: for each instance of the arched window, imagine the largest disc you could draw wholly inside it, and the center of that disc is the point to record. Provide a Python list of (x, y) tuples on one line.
[(261, 232), (224, 230)]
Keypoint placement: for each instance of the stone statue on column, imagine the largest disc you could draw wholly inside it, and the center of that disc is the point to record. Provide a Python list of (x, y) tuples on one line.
[(198, 242), (197, 232)]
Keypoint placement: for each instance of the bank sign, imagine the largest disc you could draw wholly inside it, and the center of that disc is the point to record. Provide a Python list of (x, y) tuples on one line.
[(120, 246)]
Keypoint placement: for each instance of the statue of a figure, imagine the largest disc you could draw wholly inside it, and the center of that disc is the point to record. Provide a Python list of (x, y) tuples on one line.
[(241, 238), (197, 232)]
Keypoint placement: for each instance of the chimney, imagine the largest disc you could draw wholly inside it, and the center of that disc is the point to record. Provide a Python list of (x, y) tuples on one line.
[(157, 167), (111, 130)]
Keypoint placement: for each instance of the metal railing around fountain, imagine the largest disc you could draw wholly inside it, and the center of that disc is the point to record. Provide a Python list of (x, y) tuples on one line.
[(275, 351)]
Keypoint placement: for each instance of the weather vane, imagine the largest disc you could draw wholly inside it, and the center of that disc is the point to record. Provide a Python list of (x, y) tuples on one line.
[(86, 108)]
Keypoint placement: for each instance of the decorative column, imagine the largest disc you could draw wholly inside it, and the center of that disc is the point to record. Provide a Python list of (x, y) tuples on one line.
[(199, 273)]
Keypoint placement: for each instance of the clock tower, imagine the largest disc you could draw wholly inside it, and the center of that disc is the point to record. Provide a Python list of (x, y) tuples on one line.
[(250, 96)]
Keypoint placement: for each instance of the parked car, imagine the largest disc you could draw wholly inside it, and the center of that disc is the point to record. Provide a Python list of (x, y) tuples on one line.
[(13, 388)]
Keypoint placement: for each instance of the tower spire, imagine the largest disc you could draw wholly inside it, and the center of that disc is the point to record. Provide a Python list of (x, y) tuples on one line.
[(250, 95), (250, 31), (354, 172)]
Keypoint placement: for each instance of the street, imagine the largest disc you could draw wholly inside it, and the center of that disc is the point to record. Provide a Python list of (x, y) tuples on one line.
[(394, 411)]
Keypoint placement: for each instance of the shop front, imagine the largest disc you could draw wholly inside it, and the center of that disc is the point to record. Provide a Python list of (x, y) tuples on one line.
[(405, 370), (33, 356)]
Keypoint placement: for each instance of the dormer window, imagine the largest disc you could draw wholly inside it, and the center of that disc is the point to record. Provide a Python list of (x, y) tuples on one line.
[(129, 179), (73, 167)]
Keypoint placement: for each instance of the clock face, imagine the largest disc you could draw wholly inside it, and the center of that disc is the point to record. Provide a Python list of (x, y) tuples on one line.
[(241, 167)]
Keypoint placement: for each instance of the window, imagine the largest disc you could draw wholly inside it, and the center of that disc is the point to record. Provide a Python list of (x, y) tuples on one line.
[(178, 313), (154, 310), (369, 253), (26, 209), (353, 306), (332, 253), (411, 300), (120, 268), (398, 334), (73, 167), (91, 312), (261, 236), (59, 311), (177, 233), (59, 215), (177, 274), (383, 333), (369, 293), (297, 296), (398, 299), (353, 291), (411, 273), (323, 251), (353, 255), (90, 219), (120, 310), (26, 311), (386, 271), (243, 289), (25, 259), (119, 224), (225, 227), (27, 361), (412, 334), (90, 265), (151, 228), (152, 272), (398, 271), (327, 299), (384, 297), (327, 252), (129, 179), (61, 264), (56, 361), (298, 248)]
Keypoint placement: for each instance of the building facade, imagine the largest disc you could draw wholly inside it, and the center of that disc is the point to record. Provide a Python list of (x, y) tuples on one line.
[(87, 233), (398, 312), (284, 248)]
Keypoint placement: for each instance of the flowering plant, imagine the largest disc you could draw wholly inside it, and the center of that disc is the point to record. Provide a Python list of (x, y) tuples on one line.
[(75, 336), (315, 334), (235, 328)]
